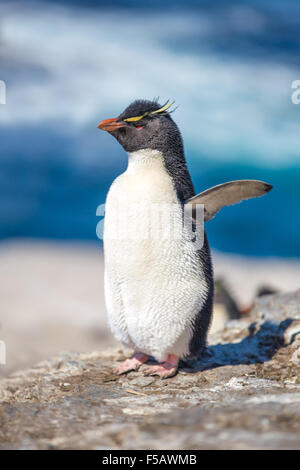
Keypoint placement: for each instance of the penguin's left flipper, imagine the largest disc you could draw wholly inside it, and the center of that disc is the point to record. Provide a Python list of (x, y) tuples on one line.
[(227, 194)]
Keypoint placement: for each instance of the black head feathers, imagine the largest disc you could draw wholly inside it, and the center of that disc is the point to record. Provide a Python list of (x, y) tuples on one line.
[(141, 109)]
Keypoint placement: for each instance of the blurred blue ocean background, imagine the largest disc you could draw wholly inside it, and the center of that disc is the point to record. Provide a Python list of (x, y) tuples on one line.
[(229, 65)]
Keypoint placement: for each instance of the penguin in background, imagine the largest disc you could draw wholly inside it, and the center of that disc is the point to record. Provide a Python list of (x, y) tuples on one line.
[(159, 290)]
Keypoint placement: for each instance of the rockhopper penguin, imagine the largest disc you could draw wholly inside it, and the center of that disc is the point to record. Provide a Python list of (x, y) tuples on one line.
[(158, 289)]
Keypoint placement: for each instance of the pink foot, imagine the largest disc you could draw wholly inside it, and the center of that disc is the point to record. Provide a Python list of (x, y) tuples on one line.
[(165, 369), (133, 363)]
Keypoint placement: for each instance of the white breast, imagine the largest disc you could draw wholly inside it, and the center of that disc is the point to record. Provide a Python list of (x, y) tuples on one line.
[(154, 285)]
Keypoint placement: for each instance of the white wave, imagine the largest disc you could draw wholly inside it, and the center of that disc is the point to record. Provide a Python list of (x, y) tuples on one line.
[(89, 64)]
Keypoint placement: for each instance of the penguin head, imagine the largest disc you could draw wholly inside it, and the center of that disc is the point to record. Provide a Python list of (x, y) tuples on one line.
[(143, 124)]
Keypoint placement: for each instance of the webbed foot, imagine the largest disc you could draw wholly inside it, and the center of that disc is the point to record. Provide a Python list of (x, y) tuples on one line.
[(165, 369), (133, 363)]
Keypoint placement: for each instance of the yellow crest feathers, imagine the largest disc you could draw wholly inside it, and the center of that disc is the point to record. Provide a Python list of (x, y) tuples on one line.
[(164, 108), (160, 110), (137, 118)]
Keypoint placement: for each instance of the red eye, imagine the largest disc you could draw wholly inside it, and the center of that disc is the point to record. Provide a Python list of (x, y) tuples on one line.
[(139, 127)]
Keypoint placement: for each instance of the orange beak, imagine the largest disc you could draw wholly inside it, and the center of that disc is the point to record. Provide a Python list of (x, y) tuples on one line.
[(110, 125)]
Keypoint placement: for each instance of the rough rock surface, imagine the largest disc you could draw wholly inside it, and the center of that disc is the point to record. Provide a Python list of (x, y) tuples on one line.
[(243, 394)]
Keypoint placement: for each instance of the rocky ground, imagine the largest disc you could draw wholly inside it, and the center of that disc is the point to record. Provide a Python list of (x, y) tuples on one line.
[(243, 394)]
